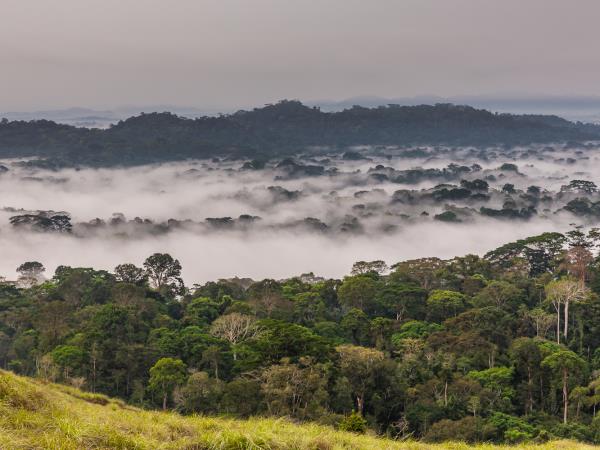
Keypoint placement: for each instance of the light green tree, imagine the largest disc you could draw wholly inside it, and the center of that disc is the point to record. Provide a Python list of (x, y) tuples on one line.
[(359, 365), (442, 304), (165, 376)]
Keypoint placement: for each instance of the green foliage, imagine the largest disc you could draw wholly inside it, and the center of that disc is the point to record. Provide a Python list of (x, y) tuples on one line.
[(201, 312), (468, 429), (164, 272), (416, 329), (541, 252), (575, 431), (402, 300), (496, 379), (165, 375), (358, 292), (442, 305), (565, 361), (284, 340), (354, 423), (501, 294), (355, 324), (512, 429), (296, 390), (200, 394), (68, 357), (437, 349)]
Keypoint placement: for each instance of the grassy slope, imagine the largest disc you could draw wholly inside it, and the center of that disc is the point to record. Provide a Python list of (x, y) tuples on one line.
[(34, 415)]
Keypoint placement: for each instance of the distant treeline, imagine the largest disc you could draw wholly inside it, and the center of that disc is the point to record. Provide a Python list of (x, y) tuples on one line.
[(279, 130)]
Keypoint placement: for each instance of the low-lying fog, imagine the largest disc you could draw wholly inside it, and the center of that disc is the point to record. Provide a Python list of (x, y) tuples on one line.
[(318, 214)]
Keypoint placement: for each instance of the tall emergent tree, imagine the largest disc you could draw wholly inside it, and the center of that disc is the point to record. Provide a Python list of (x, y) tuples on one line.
[(564, 292), (30, 273), (163, 271), (235, 328)]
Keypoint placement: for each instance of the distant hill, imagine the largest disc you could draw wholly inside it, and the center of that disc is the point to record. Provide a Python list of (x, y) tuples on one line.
[(93, 118), (279, 130), (571, 107), (39, 415)]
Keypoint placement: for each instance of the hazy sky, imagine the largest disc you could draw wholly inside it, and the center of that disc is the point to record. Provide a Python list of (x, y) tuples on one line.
[(224, 53)]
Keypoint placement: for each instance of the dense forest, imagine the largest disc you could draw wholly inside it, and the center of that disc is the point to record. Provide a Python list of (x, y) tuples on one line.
[(503, 347), (280, 129)]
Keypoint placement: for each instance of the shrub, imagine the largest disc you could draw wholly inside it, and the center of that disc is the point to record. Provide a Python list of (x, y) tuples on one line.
[(354, 422), (575, 431), (468, 429), (514, 436), (511, 428)]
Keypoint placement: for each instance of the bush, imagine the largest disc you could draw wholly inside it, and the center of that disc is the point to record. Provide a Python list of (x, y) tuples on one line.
[(575, 431), (468, 429), (514, 436), (511, 428), (354, 422)]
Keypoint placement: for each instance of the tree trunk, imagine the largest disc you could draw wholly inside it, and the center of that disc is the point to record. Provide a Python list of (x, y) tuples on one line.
[(446, 393), (542, 393), (565, 395), (529, 389), (558, 324), (165, 402), (360, 404), (566, 319), (94, 376)]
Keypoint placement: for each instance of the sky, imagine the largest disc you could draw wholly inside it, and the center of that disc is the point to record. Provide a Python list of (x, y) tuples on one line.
[(239, 53)]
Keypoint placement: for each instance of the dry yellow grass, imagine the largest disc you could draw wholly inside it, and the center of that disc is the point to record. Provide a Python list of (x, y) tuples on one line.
[(35, 415)]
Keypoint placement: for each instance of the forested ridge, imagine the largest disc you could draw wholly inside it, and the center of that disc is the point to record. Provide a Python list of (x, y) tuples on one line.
[(276, 130), (503, 347)]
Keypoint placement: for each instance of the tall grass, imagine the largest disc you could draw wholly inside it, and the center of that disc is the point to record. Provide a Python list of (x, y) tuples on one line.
[(36, 415)]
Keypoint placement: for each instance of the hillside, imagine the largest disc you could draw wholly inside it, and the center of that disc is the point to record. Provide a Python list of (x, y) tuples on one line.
[(37, 415), (463, 349), (279, 130)]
